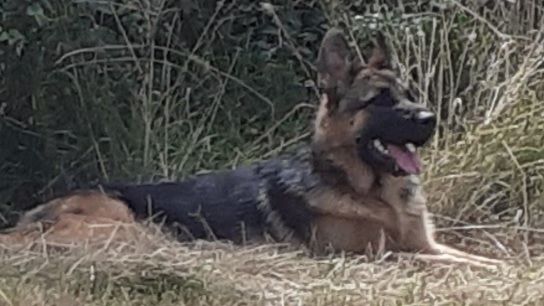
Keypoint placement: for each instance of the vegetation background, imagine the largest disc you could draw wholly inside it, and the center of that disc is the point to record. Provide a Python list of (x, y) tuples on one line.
[(143, 90)]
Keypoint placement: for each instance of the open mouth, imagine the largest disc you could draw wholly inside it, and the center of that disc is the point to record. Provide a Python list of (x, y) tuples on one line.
[(405, 156)]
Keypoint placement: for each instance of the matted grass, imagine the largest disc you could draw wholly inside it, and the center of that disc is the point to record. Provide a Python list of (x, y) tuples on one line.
[(156, 271)]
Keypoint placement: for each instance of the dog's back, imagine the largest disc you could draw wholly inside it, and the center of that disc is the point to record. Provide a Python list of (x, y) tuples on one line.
[(268, 199), (222, 205)]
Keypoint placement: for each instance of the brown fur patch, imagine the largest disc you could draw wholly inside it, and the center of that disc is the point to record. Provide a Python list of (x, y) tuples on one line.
[(77, 218), (334, 141)]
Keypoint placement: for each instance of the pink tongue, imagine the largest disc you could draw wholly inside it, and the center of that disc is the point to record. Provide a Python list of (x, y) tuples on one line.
[(407, 161)]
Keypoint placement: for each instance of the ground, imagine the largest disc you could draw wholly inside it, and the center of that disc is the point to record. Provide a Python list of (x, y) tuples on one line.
[(155, 270)]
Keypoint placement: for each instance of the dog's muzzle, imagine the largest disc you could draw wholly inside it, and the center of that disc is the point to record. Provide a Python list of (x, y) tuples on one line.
[(391, 137)]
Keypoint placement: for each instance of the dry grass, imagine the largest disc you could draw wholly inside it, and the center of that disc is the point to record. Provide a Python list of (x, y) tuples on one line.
[(157, 271)]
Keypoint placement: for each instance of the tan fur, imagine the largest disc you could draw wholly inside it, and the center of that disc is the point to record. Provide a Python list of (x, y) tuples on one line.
[(347, 234), (79, 218), (350, 223), (334, 137)]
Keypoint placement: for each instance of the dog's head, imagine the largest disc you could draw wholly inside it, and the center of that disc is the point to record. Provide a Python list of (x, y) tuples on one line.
[(367, 109)]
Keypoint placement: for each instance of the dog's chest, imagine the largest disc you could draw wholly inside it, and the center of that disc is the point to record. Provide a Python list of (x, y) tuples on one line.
[(348, 235), (402, 193)]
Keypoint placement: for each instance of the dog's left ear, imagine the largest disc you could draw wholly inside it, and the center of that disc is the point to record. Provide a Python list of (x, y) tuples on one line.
[(333, 67), (380, 57)]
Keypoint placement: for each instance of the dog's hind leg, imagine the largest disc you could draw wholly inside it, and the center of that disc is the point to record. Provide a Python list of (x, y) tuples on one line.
[(75, 218)]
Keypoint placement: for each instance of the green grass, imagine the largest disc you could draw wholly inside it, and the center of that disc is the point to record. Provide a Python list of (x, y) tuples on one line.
[(148, 90)]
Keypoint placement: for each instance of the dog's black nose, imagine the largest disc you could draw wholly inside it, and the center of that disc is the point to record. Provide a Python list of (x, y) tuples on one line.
[(425, 117)]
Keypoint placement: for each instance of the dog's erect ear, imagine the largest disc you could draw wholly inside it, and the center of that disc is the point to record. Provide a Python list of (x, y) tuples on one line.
[(333, 66), (380, 57)]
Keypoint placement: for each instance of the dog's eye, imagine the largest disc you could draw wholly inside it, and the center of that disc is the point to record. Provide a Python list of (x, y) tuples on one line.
[(384, 99)]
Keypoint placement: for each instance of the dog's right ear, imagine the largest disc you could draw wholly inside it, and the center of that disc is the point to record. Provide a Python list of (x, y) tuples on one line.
[(333, 67), (380, 57)]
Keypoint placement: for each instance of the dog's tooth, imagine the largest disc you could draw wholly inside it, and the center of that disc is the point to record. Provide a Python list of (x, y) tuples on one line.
[(411, 147), (378, 144), (382, 148)]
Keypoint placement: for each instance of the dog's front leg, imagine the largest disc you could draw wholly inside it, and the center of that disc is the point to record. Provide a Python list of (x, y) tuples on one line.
[(447, 250), (426, 248), (344, 206), (416, 234)]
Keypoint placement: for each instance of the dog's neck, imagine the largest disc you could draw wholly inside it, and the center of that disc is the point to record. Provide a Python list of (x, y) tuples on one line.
[(339, 167)]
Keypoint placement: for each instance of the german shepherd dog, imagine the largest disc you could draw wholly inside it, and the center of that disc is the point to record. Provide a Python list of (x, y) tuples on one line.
[(355, 187)]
